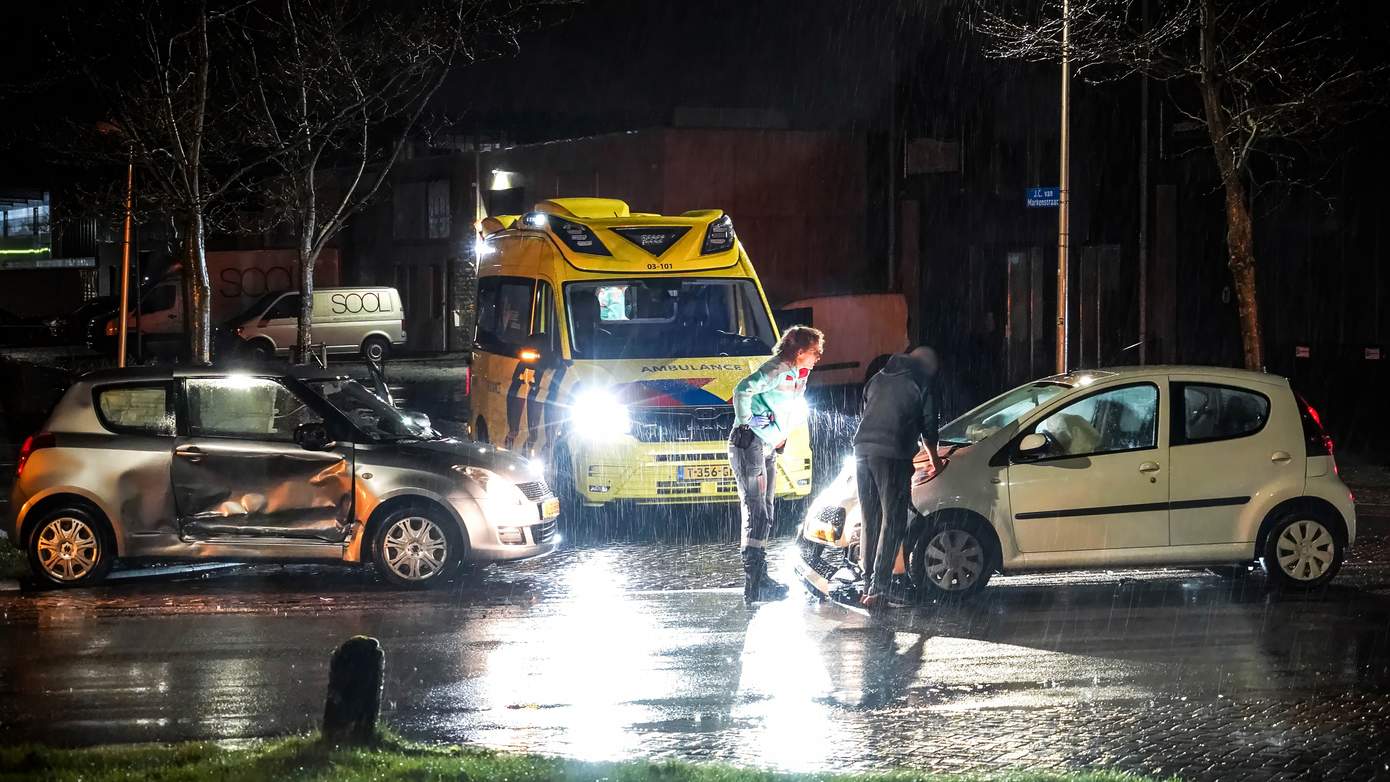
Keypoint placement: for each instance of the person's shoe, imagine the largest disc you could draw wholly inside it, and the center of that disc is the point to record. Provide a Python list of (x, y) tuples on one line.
[(769, 589)]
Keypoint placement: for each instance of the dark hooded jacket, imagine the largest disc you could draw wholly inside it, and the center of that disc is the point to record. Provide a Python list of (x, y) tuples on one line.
[(899, 408)]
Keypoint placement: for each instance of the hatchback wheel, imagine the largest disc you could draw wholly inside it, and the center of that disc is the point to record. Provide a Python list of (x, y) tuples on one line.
[(70, 548), (414, 548), (1303, 551), (952, 559)]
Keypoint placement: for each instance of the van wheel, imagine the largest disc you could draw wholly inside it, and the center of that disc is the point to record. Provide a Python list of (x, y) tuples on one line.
[(1303, 550), (415, 547), (71, 547), (480, 431), (259, 350), (375, 348)]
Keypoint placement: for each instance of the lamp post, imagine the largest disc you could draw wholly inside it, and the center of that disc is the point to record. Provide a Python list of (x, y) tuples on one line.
[(1064, 198), (109, 129)]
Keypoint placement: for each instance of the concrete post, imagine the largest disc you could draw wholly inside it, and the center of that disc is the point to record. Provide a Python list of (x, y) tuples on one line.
[(355, 678)]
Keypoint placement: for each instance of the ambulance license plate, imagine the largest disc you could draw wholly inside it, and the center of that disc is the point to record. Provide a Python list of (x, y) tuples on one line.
[(550, 508), (705, 472)]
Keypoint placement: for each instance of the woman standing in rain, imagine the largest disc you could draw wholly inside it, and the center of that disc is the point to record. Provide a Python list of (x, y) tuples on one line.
[(768, 404)]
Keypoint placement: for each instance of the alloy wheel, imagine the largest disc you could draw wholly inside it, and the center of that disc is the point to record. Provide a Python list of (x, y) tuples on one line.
[(67, 548), (416, 548), (955, 560), (1305, 550)]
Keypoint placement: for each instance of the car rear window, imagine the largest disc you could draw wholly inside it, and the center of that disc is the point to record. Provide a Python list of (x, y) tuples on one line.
[(1211, 412), (136, 409)]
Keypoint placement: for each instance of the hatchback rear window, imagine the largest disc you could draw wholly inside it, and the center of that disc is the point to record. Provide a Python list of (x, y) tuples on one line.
[(136, 409), (1211, 412)]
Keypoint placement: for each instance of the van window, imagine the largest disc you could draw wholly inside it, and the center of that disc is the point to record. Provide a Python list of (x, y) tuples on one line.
[(504, 313), (667, 318), (286, 307), (544, 325), (160, 298)]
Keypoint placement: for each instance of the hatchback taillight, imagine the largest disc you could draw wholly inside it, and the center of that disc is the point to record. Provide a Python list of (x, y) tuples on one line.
[(1316, 439), (32, 443)]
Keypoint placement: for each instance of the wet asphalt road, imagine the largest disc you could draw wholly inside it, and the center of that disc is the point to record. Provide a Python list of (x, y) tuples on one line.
[(645, 649)]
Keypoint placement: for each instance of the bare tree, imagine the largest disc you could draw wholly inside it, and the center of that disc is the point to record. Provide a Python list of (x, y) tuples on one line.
[(333, 90), (158, 66), (1261, 73)]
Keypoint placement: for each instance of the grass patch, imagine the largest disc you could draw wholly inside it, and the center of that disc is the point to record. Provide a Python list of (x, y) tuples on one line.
[(307, 759), (13, 563)]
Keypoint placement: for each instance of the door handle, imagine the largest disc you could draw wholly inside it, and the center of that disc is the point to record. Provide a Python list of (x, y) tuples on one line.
[(190, 452), (1280, 457), (1148, 467)]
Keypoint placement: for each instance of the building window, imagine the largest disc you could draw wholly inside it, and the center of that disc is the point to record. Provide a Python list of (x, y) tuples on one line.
[(439, 213)]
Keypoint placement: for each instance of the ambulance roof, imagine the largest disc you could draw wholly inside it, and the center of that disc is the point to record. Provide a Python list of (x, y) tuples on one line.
[(605, 235)]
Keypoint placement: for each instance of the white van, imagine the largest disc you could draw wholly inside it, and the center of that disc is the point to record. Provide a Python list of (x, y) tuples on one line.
[(346, 320)]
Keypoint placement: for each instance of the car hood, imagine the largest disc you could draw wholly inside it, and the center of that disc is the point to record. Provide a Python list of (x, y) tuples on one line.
[(449, 451)]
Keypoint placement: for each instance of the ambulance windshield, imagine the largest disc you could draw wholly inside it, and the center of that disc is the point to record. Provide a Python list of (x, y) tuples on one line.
[(667, 318)]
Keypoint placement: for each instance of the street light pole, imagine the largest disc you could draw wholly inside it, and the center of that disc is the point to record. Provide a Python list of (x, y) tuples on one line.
[(1064, 198), (125, 258)]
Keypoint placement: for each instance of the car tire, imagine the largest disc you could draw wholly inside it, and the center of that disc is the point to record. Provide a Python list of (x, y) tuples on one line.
[(1303, 550), (480, 431), (70, 547), (417, 547), (376, 348), (953, 558)]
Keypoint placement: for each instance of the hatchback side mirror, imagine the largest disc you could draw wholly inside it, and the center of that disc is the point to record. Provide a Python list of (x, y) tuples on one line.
[(1032, 446), (312, 437)]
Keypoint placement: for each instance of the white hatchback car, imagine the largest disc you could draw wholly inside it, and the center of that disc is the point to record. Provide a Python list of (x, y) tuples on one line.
[(1130, 467)]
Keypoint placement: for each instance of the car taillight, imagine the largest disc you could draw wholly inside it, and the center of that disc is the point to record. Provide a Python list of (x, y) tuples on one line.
[(1315, 437), (467, 381), (32, 443)]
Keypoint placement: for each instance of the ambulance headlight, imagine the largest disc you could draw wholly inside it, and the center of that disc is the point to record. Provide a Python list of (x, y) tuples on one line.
[(718, 237), (598, 415)]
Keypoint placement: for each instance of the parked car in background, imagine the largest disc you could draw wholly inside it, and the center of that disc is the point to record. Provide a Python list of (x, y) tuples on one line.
[(369, 321), (201, 464), (16, 331), (1135, 467)]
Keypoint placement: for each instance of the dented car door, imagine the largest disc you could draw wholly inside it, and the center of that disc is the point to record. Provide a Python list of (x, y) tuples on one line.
[(239, 473)]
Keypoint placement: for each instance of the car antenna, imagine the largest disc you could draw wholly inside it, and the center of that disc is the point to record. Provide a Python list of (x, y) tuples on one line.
[(1122, 351)]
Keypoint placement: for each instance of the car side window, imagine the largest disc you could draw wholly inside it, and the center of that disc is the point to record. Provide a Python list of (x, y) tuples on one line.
[(249, 408), (134, 409), (1122, 419), (504, 313), (1212, 412)]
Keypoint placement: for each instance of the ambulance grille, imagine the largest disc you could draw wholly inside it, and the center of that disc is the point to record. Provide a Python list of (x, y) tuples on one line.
[(682, 424)]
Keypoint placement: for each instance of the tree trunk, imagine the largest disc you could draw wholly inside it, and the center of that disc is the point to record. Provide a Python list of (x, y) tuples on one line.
[(1240, 246), (199, 310), (1240, 241), (304, 336)]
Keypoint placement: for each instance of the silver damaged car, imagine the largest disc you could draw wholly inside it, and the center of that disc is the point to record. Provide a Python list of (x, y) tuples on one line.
[(202, 464)]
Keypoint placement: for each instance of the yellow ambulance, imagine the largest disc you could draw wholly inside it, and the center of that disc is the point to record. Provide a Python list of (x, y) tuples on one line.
[(608, 346)]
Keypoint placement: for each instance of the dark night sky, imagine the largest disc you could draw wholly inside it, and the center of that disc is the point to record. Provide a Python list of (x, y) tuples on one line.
[(596, 66)]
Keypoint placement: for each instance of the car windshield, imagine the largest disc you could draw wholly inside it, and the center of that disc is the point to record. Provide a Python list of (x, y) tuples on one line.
[(1000, 412), (369, 412), (667, 318), (256, 308)]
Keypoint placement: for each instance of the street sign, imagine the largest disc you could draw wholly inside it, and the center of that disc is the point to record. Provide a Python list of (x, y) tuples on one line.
[(1044, 196)]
